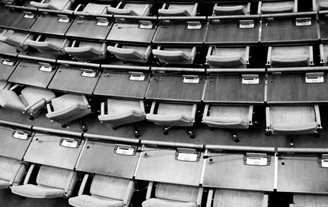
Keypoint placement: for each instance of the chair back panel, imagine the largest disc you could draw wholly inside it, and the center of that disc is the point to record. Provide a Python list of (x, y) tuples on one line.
[(176, 192)]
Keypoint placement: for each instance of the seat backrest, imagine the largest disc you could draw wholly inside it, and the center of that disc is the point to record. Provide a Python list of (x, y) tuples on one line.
[(119, 106), (67, 101), (237, 198), (310, 200), (11, 169), (176, 192), (164, 108)]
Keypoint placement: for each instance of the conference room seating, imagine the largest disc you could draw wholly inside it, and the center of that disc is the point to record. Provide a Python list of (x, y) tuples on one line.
[(131, 53), (227, 57), (236, 198), (319, 5), (51, 45), (267, 7), (86, 51), (174, 9), (173, 115), (104, 191), (15, 38), (232, 9), (12, 172), (177, 195), (51, 182), (323, 53), (311, 200), (290, 56), (29, 100), (52, 4), (134, 9), (175, 55), (122, 112)]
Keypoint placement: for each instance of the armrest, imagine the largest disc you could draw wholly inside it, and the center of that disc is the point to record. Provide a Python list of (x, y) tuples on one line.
[(250, 113), (317, 115), (147, 7), (82, 186), (102, 108), (194, 110), (247, 55), (68, 184), (142, 105), (209, 51), (152, 108), (269, 55), (295, 5), (205, 113), (209, 198), (259, 7), (199, 196), (265, 202), (35, 107), (248, 8), (314, 5), (322, 53), (311, 55), (78, 7), (49, 108), (194, 11), (175, 12), (28, 175), (129, 193), (149, 190), (267, 117)]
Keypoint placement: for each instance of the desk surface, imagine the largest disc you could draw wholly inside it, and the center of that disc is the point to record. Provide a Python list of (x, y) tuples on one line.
[(292, 88), (177, 33), (10, 146), (28, 73), (160, 165), (6, 70), (71, 79), (284, 30), (172, 88), (118, 84), (48, 24), (45, 150), (16, 20), (323, 23), (130, 32), (230, 89), (301, 174), (228, 32), (107, 160)]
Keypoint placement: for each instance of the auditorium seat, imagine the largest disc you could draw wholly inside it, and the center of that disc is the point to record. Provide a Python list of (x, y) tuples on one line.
[(15, 38), (174, 9), (134, 9), (231, 9), (29, 100), (319, 5), (51, 182), (265, 7), (229, 57), (131, 53), (290, 56), (172, 55), (173, 115), (236, 198), (12, 172), (309, 200), (86, 51), (51, 45), (53, 4), (104, 191), (121, 112), (168, 195)]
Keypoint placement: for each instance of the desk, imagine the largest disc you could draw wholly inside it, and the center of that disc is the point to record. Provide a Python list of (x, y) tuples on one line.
[(15, 19), (160, 165), (29, 73), (8, 50), (230, 89), (172, 88), (10, 146), (229, 171), (71, 79), (45, 150), (130, 32), (301, 174), (292, 88), (48, 24), (6, 70), (118, 84), (108, 162)]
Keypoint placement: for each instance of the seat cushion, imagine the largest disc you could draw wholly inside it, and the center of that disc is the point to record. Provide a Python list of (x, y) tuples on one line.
[(9, 99), (11, 170), (295, 61), (34, 191), (321, 5), (156, 202), (178, 10), (95, 8), (310, 200), (49, 45), (230, 10), (33, 95), (225, 61), (277, 7), (174, 55), (130, 53), (237, 198), (92, 201), (4, 184), (68, 100), (175, 192)]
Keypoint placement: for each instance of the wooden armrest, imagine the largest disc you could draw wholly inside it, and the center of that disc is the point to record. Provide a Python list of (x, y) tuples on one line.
[(269, 55), (49, 108), (317, 115), (267, 117), (322, 53), (84, 182), (200, 196), (205, 113), (28, 174), (129, 193), (209, 198), (149, 190), (265, 202)]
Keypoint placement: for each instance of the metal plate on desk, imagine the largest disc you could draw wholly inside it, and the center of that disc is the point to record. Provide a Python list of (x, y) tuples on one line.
[(49, 24), (16, 20), (7, 66)]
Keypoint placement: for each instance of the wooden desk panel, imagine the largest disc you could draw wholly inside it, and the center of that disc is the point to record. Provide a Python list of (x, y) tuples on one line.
[(171, 87), (160, 165), (229, 89), (70, 79), (229, 171), (28, 73), (129, 32), (292, 88), (301, 174), (15, 20), (6, 70), (45, 150), (10, 146), (118, 84), (108, 162), (48, 24)]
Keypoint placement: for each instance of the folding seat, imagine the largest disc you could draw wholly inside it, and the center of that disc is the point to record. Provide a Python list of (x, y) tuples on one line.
[(227, 57), (168, 195), (67, 108), (170, 55), (51, 182), (86, 51), (173, 115), (265, 7), (290, 56), (178, 9), (236, 198), (52, 45), (319, 5), (15, 38), (309, 200), (131, 53), (30, 100), (231, 9), (121, 112), (104, 191), (134, 9), (12, 172), (53, 4)]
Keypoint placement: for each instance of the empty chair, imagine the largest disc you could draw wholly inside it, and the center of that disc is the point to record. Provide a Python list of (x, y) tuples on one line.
[(227, 57), (290, 56), (309, 200), (104, 191), (277, 7), (86, 51), (178, 9), (30, 100), (12, 172), (53, 4), (236, 198), (130, 53), (169, 55), (51, 182), (135, 9), (67, 108), (52, 45), (15, 38), (168, 195), (173, 115), (229, 9)]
